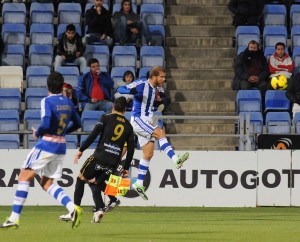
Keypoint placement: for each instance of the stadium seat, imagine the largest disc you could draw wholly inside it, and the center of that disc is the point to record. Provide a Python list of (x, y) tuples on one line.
[(117, 8), (32, 118), (100, 52), (118, 72), (9, 120), (14, 13), (42, 13), (61, 29), (40, 55), (33, 97), (42, 34), (89, 119), (274, 14), (153, 13), (241, 49), (296, 122), (278, 123), (296, 56), (143, 73), (276, 100), (120, 1), (127, 115), (157, 33), (72, 141), (70, 74), (36, 76), (273, 34), (124, 56), (256, 121), (13, 55), (11, 77), (153, 1), (294, 15), (10, 99), (249, 101), (93, 145), (14, 34), (295, 36), (244, 34), (152, 56), (9, 141), (69, 13)]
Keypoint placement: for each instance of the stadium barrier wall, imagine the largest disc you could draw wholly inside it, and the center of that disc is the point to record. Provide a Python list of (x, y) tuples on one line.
[(208, 178)]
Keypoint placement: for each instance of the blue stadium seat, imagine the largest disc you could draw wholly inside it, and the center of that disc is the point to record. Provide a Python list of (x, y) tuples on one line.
[(33, 97), (32, 118), (127, 115), (70, 74), (9, 120), (89, 119), (61, 29), (273, 34), (249, 101), (143, 73), (93, 145), (294, 15), (117, 7), (296, 122), (10, 98), (241, 49), (41, 34), (36, 76), (152, 56), (100, 52), (256, 121), (118, 72), (296, 56), (157, 33), (14, 34), (42, 13), (276, 100), (295, 36), (40, 55), (244, 34), (153, 13), (9, 141), (72, 141), (278, 123), (13, 55), (69, 13), (274, 14), (124, 56), (154, 1), (14, 13)]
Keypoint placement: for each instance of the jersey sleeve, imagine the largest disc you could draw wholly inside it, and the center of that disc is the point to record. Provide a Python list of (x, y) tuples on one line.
[(46, 118)]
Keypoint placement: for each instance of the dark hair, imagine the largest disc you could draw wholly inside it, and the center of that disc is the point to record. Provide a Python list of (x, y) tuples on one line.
[(281, 44), (120, 104), (121, 10), (55, 82), (71, 27), (126, 74), (253, 42), (155, 70), (92, 61)]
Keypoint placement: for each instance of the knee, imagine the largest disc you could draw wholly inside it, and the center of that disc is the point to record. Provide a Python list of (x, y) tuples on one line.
[(160, 133)]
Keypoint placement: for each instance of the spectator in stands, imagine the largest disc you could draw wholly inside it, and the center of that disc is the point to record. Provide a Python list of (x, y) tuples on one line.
[(246, 12), (251, 69), (293, 92), (98, 23), (70, 49), (128, 27), (95, 88), (128, 78), (280, 63)]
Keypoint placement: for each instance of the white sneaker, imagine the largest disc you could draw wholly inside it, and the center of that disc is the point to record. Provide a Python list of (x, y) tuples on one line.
[(97, 216), (66, 218)]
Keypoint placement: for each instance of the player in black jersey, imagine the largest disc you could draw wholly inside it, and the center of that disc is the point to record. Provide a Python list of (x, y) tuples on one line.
[(114, 130)]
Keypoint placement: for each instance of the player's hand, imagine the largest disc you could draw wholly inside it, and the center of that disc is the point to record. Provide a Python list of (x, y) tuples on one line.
[(125, 173), (77, 157), (33, 133)]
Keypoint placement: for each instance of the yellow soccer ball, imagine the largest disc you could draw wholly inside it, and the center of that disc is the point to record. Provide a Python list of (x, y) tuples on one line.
[(279, 82)]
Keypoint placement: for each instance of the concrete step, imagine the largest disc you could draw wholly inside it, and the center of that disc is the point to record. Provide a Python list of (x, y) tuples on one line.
[(200, 74), (182, 52), (203, 141), (199, 42), (216, 147), (197, 63), (202, 106), (187, 84), (198, 128), (191, 30), (199, 2), (225, 20), (197, 96), (196, 10), (180, 112)]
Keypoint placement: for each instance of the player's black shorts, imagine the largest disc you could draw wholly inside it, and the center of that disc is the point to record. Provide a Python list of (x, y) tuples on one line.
[(92, 168)]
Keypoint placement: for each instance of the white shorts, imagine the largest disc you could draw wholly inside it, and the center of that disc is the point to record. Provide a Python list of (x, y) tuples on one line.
[(143, 129), (44, 163)]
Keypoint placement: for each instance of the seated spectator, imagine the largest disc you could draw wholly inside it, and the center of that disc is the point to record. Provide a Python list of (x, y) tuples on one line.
[(70, 49), (293, 93), (128, 27), (246, 12), (94, 89), (280, 63), (98, 24), (251, 69), (128, 78)]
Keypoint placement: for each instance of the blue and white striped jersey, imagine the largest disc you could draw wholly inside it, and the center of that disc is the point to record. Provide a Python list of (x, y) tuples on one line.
[(59, 118), (143, 98)]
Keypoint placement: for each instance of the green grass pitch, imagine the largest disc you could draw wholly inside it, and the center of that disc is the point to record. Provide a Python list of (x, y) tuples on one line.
[(154, 224)]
